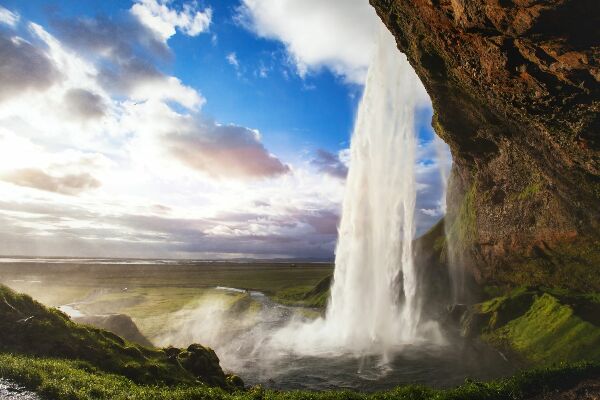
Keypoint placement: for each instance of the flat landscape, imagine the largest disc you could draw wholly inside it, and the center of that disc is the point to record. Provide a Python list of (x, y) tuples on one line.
[(153, 294)]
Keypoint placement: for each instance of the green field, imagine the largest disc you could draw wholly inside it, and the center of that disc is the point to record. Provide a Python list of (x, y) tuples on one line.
[(152, 294)]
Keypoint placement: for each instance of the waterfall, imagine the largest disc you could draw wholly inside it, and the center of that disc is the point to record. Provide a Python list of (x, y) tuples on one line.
[(374, 298), (374, 304)]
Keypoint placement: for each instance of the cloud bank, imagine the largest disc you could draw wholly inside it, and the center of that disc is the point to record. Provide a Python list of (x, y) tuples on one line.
[(24, 67), (121, 160), (335, 34)]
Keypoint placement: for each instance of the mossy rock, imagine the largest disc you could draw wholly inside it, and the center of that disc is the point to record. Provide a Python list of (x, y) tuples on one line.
[(203, 363)]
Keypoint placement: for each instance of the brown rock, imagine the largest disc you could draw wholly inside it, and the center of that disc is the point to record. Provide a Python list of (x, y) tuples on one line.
[(516, 94)]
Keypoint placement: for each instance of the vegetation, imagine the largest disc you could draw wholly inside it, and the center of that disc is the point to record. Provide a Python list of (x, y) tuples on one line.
[(573, 264), (542, 326), (75, 380), (462, 231), (529, 191), (306, 296), (44, 351), (152, 294), (31, 329)]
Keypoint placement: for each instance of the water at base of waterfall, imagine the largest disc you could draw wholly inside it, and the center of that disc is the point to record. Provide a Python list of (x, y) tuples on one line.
[(431, 365)]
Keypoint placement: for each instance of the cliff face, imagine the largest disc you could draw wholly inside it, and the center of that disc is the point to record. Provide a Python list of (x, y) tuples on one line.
[(515, 86)]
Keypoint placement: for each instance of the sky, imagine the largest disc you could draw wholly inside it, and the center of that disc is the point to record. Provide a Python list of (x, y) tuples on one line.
[(185, 129)]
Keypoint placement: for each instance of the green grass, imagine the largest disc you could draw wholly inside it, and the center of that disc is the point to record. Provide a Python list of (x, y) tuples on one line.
[(315, 296), (156, 292), (265, 277), (550, 331), (76, 380), (530, 191), (31, 329), (543, 326), (62, 360)]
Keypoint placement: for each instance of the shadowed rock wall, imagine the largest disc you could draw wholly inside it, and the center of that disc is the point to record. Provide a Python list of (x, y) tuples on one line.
[(516, 94)]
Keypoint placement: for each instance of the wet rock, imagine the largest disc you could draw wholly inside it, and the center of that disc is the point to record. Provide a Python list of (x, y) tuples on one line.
[(455, 313), (12, 391)]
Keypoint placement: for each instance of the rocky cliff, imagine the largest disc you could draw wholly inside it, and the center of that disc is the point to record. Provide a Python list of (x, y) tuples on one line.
[(516, 94)]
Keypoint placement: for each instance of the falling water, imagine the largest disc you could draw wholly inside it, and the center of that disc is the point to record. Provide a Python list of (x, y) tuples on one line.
[(374, 302), (374, 298), (374, 305)]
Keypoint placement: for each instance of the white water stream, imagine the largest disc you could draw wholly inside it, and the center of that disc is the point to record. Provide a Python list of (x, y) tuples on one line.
[(374, 265), (375, 303)]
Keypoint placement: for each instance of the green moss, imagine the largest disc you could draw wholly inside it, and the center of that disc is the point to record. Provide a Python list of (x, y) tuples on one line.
[(73, 362), (31, 329), (463, 229), (543, 326), (550, 332), (573, 264), (529, 191)]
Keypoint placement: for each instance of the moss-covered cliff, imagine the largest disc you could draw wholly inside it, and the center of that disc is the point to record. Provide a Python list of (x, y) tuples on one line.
[(516, 94)]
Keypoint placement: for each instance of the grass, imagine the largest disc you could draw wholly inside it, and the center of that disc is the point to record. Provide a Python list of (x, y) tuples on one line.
[(76, 380), (156, 292), (550, 331), (544, 326), (315, 296), (31, 329), (530, 191), (265, 277), (62, 360)]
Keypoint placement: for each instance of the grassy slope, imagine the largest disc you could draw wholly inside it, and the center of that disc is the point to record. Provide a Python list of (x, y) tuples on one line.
[(31, 329), (542, 326)]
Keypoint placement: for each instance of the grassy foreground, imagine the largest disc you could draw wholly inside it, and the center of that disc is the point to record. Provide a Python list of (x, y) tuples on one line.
[(77, 380), (29, 328), (42, 350)]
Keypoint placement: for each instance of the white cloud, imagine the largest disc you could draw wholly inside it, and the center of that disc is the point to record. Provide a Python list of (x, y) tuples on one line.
[(263, 71), (336, 34), (167, 88), (121, 151), (232, 59), (8, 17), (163, 20), (141, 172)]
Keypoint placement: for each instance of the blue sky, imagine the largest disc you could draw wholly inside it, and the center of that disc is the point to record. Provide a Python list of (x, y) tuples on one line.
[(315, 111), (202, 129)]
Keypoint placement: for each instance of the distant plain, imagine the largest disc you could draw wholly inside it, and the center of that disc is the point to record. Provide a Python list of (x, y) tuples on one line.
[(150, 293)]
